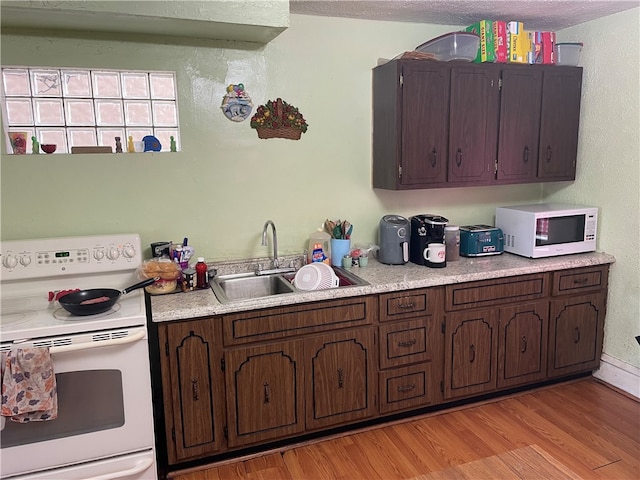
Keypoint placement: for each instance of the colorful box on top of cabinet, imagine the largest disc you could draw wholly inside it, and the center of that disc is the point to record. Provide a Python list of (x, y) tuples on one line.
[(484, 29), (543, 44), (500, 41), (519, 45)]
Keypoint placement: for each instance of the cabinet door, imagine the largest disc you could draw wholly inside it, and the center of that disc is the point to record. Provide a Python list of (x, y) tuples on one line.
[(575, 334), (341, 378), (473, 124), (192, 385), (560, 117), (471, 340), (519, 124), (522, 346), (264, 392), (425, 110)]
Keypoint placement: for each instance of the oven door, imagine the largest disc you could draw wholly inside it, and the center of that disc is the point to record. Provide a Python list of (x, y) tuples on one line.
[(104, 406)]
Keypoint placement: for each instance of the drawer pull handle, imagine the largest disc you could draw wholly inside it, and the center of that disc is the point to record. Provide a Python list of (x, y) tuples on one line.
[(580, 282), (406, 388), (459, 157), (549, 153), (434, 157), (472, 353), (410, 343), (195, 390), (340, 378), (576, 336), (525, 155), (267, 393), (524, 344), (407, 306)]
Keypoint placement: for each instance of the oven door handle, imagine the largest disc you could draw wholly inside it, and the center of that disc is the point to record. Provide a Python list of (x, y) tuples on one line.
[(105, 343), (141, 467)]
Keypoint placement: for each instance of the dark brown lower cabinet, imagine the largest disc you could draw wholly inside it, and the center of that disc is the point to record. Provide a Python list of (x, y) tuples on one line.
[(577, 326), (522, 344), (340, 373), (277, 373), (269, 386), (410, 349), (191, 380), (471, 340), (299, 368), (264, 392)]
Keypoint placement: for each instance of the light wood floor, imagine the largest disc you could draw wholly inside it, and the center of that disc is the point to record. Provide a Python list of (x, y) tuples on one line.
[(581, 429)]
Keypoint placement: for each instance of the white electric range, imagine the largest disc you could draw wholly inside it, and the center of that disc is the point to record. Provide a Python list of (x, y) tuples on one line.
[(104, 427)]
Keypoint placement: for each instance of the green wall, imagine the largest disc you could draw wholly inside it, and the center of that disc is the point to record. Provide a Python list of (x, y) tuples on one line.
[(226, 182), (609, 165)]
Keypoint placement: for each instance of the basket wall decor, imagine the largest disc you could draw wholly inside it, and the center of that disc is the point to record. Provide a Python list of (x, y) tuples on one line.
[(278, 119)]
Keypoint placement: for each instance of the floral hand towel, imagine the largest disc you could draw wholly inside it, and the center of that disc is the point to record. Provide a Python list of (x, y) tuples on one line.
[(28, 385)]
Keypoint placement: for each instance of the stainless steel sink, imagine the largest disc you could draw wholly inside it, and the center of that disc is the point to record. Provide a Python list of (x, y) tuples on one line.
[(244, 286), (249, 285)]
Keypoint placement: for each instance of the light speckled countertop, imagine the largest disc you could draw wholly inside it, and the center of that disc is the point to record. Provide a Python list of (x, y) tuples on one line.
[(381, 278)]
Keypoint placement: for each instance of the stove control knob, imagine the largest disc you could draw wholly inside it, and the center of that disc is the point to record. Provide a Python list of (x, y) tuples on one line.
[(113, 253), (10, 261), (128, 251), (98, 254), (25, 260)]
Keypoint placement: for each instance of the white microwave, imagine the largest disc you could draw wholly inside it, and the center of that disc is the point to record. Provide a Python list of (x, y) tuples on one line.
[(548, 229)]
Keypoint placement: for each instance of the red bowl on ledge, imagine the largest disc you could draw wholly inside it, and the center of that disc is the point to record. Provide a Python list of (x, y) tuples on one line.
[(48, 147)]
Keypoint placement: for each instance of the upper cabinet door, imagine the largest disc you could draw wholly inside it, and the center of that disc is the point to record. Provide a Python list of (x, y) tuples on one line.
[(473, 125), (425, 106), (519, 124), (560, 117)]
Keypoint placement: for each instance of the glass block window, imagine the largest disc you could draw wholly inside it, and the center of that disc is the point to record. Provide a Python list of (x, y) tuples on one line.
[(75, 107)]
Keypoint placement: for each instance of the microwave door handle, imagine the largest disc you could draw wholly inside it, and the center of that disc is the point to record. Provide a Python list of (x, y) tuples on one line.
[(106, 343), (140, 467)]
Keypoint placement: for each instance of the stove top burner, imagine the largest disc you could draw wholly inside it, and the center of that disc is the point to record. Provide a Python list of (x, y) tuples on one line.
[(62, 314), (31, 268)]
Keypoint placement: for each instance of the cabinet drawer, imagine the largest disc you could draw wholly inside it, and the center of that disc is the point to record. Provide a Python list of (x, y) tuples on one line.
[(408, 387), (580, 280), (408, 342), (409, 304), (496, 292), (273, 323)]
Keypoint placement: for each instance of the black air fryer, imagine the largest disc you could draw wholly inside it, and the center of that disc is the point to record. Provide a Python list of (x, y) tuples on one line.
[(393, 237), (426, 229)]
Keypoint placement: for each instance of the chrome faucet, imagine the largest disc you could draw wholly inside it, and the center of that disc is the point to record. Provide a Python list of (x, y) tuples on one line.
[(276, 262)]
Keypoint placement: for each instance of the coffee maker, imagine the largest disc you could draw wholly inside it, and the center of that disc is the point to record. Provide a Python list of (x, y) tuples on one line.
[(393, 237), (426, 229)]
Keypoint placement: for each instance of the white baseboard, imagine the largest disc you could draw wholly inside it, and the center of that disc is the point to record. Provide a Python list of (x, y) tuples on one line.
[(619, 374)]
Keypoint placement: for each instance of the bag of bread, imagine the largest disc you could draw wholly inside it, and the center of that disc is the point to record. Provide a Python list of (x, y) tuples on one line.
[(168, 272)]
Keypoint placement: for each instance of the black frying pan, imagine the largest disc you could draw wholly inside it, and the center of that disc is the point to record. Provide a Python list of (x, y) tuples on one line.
[(97, 300)]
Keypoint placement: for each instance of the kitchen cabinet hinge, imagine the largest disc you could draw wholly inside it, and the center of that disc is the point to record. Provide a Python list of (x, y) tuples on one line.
[(222, 365)]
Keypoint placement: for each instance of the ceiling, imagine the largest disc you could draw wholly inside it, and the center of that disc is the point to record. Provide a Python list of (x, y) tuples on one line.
[(550, 15)]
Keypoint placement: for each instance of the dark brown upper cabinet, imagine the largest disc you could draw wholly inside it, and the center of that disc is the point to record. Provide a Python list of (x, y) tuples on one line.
[(458, 124), (411, 100)]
